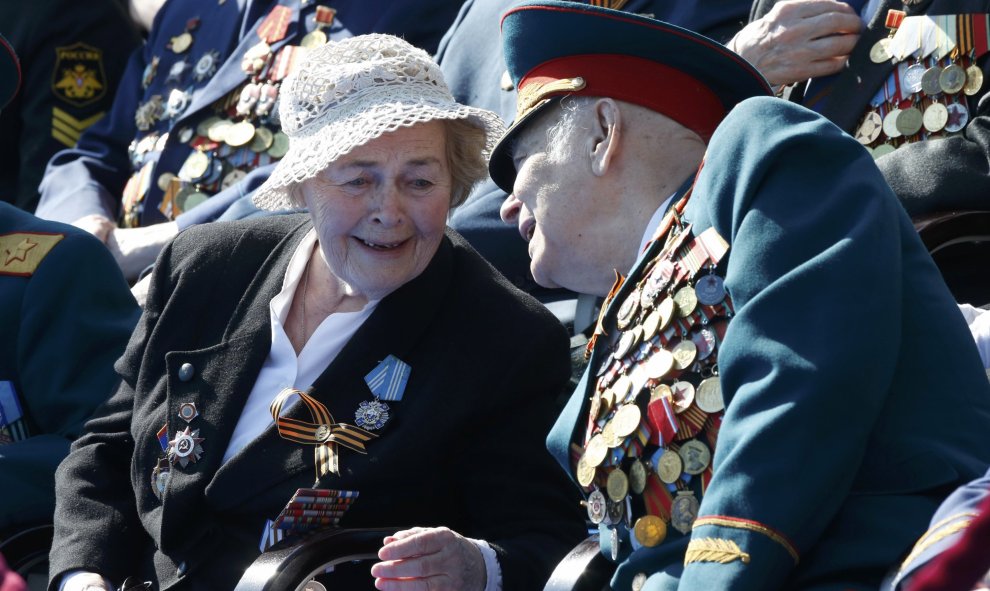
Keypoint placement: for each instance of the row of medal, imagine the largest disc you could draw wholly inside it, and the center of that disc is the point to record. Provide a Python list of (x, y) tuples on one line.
[(240, 136), (924, 97), (657, 405), (185, 448)]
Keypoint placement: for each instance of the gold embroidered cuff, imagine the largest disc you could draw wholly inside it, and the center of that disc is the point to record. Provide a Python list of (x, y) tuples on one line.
[(714, 550), (935, 534), (754, 526)]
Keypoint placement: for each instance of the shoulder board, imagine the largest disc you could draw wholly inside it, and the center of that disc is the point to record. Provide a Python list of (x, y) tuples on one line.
[(22, 252)]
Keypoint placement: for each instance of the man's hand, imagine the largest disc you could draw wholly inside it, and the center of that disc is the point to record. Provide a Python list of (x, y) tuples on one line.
[(97, 225), (799, 39), (136, 248), (429, 559)]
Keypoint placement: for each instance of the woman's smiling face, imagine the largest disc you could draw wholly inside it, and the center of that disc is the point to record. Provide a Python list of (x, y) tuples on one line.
[(380, 210)]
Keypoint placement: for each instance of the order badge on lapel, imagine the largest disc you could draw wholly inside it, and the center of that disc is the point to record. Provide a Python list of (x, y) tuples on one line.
[(388, 383)]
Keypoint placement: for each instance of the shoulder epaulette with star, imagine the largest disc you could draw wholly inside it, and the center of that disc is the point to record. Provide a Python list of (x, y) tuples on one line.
[(22, 252)]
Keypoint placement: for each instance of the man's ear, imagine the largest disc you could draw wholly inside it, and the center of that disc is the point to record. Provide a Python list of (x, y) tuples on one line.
[(606, 134)]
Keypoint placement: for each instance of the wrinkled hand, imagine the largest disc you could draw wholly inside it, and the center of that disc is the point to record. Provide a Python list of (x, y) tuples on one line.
[(84, 581), (429, 559), (799, 39), (96, 224), (136, 248)]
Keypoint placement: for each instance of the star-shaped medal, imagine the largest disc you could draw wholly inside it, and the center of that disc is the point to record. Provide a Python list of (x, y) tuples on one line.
[(185, 448)]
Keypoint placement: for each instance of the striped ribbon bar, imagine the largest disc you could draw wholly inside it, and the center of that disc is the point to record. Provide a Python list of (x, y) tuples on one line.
[(323, 432), (388, 380)]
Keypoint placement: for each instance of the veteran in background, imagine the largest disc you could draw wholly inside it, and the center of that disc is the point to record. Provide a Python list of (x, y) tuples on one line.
[(72, 56), (195, 114), (763, 406), (65, 316)]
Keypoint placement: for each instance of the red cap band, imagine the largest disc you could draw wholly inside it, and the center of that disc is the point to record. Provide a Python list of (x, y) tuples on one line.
[(640, 81)]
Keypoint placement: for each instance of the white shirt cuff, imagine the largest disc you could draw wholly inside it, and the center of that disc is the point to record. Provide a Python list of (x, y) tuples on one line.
[(67, 577), (493, 572)]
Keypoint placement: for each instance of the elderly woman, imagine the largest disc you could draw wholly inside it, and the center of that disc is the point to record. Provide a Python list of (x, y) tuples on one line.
[(363, 344)]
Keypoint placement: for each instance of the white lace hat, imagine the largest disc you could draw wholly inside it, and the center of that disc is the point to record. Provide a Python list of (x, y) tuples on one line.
[(347, 93)]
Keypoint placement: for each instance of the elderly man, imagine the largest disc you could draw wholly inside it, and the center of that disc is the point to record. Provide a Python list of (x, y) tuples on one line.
[(781, 391)]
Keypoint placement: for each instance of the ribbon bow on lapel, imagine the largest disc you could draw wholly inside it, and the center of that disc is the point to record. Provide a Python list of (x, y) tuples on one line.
[(324, 433)]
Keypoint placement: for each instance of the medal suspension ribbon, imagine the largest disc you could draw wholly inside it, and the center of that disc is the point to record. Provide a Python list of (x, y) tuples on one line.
[(323, 433)]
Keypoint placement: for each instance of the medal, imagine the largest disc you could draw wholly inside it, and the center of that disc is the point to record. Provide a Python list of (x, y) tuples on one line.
[(627, 311), (176, 72), (206, 66), (710, 289), (682, 396), (178, 100), (617, 486), (952, 79), (929, 81), (614, 512), (705, 342), (637, 477), (239, 134), (324, 18), (159, 477), (371, 414), (880, 53), (659, 364), (626, 420), (186, 447), (149, 72), (596, 507), (708, 395), (195, 167), (188, 412), (684, 510), (266, 100), (149, 113), (882, 150), (686, 301), (669, 467), (958, 117), (890, 124), (650, 530), (935, 118), (912, 78), (695, 456), (974, 80), (262, 140), (909, 121), (387, 382), (685, 352), (182, 42), (280, 145)]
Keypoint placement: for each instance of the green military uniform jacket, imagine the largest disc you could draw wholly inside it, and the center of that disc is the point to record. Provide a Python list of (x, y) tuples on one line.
[(65, 315), (855, 399)]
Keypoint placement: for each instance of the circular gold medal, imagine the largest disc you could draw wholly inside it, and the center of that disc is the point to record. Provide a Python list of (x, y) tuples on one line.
[(952, 79), (263, 138), (651, 325), (929, 81), (974, 80), (695, 456), (608, 401), (882, 150), (650, 530), (666, 310), (313, 39), (626, 420), (708, 395), (869, 130), (936, 116), (661, 391), (195, 167), (280, 145), (622, 388), (685, 352), (637, 477), (890, 124), (909, 121), (669, 467), (585, 472), (239, 134), (683, 396), (609, 436), (596, 451), (627, 311), (218, 130), (880, 53), (181, 43), (617, 485), (686, 301), (659, 364)]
